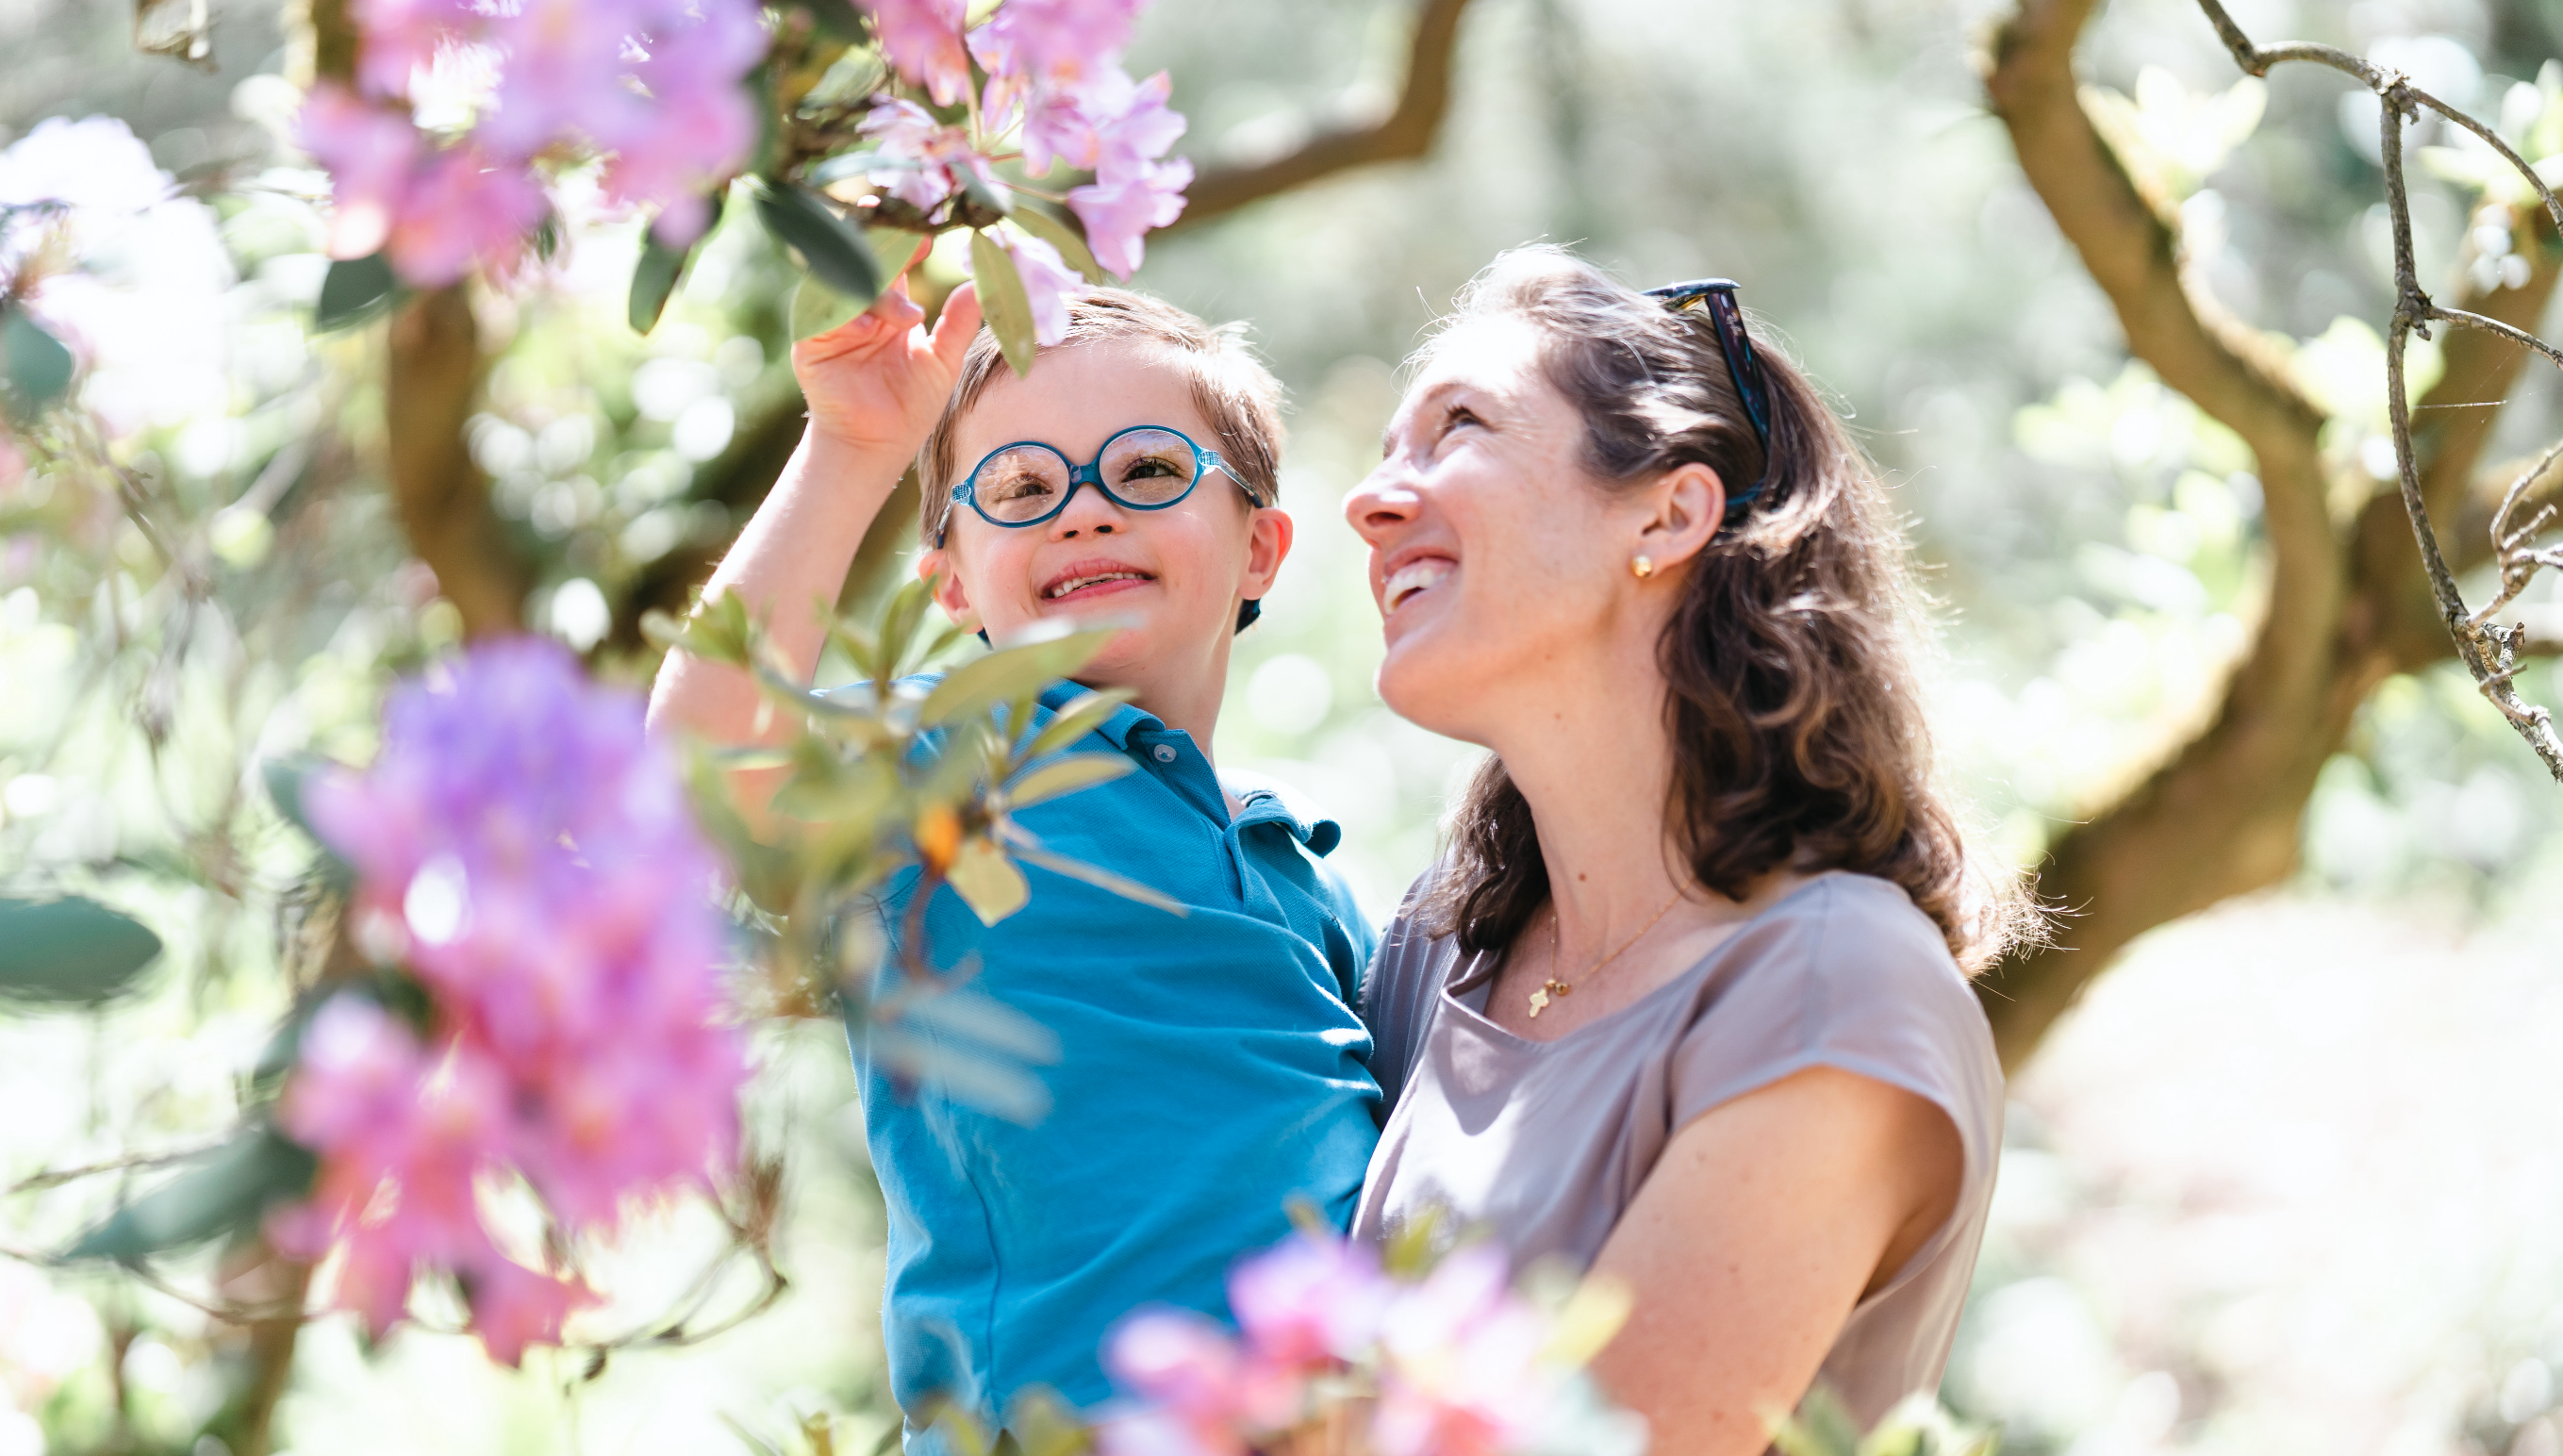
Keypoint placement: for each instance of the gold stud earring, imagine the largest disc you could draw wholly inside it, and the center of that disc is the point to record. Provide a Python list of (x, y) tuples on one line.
[(1643, 568)]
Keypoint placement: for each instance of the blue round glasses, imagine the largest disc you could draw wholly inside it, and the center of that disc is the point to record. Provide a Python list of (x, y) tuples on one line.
[(1143, 468)]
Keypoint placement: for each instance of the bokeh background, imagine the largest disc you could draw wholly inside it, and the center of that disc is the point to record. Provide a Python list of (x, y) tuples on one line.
[(2289, 1179)]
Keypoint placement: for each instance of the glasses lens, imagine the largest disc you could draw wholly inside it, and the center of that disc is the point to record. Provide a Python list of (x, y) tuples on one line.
[(1019, 484), (1150, 467)]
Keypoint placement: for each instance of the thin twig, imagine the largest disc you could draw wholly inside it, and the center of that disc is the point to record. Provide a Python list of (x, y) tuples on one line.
[(2488, 650)]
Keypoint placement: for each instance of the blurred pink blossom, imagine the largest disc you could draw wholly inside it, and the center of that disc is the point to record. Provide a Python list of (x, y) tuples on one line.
[(1119, 214), (1309, 1300), (463, 209), (527, 854), (1462, 1369), (1053, 41), (656, 86), (370, 154), (923, 38)]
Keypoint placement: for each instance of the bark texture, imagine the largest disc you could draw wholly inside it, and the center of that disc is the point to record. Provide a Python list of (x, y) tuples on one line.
[(2347, 604)]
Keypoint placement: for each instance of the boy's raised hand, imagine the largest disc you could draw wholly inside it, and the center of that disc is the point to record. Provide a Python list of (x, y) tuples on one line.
[(877, 382)]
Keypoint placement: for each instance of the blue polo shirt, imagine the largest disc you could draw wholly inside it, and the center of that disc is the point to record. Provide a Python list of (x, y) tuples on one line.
[(1211, 1068)]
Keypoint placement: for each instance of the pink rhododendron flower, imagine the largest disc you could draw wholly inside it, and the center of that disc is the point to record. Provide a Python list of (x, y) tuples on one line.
[(656, 86), (923, 38), (463, 209), (929, 157), (527, 854), (1048, 282), (1462, 1375), (1119, 214), (1056, 40), (403, 36), (1309, 1300)]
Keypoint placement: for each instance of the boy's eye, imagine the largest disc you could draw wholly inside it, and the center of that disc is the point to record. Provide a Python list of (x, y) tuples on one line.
[(1013, 485), (1150, 467)]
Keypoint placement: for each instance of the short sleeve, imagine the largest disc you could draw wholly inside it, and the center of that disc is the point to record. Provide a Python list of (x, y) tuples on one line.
[(1853, 976)]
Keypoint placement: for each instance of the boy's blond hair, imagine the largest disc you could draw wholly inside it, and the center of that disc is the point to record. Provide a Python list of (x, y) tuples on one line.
[(1230, 388)]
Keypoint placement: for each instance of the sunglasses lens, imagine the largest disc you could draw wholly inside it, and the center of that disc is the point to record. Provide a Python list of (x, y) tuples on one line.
[(1150, 467), (1020, 484)]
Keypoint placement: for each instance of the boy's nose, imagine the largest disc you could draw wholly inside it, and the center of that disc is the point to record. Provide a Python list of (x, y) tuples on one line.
[(1088, 512)]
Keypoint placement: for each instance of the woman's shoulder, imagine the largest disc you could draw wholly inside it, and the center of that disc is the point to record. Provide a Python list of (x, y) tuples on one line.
[(1846, 971)]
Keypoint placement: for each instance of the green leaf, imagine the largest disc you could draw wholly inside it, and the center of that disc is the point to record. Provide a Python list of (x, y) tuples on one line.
[(717, 630), (356, 289), (817, 308), (838, 18), (1066, 776), (1081, 717), (70, 951), (1069, 241), (1001, 294), (227, 1192), (898, 623), (660, 269), (1822, 1427), (1099, 878), (981, 684), (1043, 1424), (831, 248), (994, 197), (40, 366), (987, 880), (979, 1018)]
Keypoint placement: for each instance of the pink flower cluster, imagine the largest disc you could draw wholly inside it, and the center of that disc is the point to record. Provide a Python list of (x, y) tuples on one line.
[(1455, 1364), (1053, 73), (653, 85), (524, 852)]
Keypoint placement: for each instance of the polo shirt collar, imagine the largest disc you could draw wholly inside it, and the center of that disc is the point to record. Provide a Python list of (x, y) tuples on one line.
[(1263, 801)]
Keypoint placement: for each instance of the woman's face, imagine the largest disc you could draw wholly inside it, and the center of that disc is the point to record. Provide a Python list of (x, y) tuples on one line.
[(1175, 574), (1497, 560)]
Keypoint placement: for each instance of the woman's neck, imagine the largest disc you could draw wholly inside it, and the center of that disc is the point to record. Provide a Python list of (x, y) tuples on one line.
[(1589, 751)]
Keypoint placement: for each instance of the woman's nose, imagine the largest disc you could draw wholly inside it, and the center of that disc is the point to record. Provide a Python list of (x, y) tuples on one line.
[(1384, 501)]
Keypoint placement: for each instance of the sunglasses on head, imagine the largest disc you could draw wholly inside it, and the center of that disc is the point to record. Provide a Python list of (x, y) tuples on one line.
[(1716, 296)]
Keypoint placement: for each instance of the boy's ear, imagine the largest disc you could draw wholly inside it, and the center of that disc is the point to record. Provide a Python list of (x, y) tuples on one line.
[(1268, 545), (949, 593)]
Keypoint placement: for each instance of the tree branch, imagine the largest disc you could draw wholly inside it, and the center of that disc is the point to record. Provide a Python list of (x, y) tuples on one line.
[(2220, 819), (1404, 134), (442, 497)]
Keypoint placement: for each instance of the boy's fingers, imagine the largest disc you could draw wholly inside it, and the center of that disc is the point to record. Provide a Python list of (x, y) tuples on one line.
[(895, 308), (961, 321)]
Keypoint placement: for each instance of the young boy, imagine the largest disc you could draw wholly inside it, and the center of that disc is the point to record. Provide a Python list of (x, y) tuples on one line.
[(1213, 1066)]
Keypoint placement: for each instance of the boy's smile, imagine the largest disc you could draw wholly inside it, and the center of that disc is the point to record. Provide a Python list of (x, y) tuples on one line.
[(1174, 576)]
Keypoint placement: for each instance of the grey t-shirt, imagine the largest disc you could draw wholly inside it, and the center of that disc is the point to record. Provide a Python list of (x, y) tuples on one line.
[(1547, 1142)]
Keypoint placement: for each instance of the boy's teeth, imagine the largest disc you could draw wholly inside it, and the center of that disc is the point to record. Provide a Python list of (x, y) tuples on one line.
[(1414, 577), (1073, 584)]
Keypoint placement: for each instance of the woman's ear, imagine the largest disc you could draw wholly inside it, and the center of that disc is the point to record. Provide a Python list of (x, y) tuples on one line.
[(936, 565), (1690, 506), (1268, 543)]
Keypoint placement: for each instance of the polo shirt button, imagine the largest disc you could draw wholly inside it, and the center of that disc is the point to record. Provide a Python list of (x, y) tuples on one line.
[(1165, 752)]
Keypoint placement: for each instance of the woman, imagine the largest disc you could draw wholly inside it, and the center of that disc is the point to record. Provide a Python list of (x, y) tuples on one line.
[(1685, 1002)]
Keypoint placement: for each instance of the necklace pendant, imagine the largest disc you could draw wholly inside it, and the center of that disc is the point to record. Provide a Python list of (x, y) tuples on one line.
[(1538, 1002)]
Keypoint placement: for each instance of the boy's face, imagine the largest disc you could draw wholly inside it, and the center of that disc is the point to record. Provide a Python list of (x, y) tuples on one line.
[(1176, 575)]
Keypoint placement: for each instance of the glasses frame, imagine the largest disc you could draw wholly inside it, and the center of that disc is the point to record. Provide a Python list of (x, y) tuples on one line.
[(1716, 296), (1089, 473)]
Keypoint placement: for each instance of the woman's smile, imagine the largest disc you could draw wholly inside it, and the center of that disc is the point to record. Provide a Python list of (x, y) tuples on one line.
[(1413, 579)]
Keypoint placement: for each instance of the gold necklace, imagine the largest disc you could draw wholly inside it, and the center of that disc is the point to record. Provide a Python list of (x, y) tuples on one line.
[(1554, 987)]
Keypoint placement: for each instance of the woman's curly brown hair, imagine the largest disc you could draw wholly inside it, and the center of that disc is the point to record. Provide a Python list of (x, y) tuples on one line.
[(1798, 730)]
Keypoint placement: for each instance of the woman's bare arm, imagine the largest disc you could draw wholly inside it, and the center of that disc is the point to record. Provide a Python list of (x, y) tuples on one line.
[(874, 386), (1762, 1225)]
